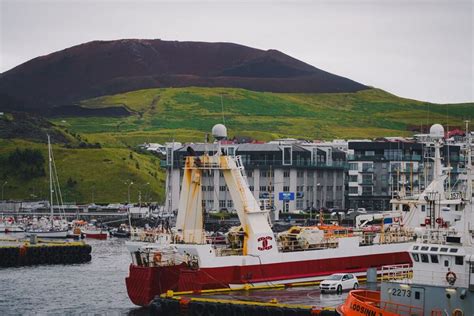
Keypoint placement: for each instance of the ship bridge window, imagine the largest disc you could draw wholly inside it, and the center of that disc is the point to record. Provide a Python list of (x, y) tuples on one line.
[(415, 257), (444, 250), (415, 247), (425, 248), (453, 250), (424, 257), (434, 249), (459, 260), (434, 258)]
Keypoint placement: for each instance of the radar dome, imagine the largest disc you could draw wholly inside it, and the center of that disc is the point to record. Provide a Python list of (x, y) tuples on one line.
[(219, 131), (437, 130)]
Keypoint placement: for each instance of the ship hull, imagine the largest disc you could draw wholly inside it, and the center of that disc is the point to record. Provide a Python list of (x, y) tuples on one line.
[(144, 283), (95, 235), (48, 234)]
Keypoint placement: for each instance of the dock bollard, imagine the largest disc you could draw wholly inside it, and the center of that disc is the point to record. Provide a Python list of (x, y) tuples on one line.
[(372, 275), (33, 239)]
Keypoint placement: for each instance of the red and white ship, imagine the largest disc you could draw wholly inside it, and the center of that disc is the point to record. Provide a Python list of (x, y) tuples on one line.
[(192, 264)]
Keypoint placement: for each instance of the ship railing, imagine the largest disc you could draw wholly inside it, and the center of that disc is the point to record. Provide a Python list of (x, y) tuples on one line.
[(437, 236), (158, 257), (371, 298), (286, 245), (397, 272), (396, 236)]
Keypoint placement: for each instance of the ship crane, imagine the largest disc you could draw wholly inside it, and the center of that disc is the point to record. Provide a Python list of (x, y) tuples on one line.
[(258, 235)]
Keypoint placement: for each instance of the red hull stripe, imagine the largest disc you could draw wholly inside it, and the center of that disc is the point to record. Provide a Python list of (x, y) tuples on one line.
[(96, 236), (144, 283)]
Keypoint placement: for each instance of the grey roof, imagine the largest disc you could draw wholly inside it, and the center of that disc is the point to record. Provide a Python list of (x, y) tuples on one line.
[(258, 147)]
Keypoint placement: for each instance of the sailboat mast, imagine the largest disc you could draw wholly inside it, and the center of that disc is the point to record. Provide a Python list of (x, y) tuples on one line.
[(50, 178)]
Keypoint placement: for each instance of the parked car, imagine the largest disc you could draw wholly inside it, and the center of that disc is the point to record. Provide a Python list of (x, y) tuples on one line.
[(339, 282)]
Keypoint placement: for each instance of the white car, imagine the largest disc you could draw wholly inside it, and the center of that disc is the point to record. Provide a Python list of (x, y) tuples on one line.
[(339, 282)]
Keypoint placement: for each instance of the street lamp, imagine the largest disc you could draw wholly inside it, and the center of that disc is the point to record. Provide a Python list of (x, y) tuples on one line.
[(3, 186), (129, 185)]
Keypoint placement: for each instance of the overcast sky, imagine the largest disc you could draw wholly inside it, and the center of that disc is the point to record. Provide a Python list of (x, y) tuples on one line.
[(416, 49)]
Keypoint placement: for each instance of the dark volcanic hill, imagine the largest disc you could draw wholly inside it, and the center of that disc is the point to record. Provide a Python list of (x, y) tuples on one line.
[(108, 67)]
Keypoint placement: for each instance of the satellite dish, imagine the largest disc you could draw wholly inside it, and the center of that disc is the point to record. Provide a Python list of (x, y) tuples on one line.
[(219, 131)]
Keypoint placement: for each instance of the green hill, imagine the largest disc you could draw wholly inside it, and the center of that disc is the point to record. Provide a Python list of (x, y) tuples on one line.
[(97, 175), (187, 114)]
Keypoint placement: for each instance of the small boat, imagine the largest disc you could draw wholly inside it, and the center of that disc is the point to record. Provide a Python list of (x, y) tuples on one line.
[(121, 232), (51, 228), (8, 225), (91, 231)]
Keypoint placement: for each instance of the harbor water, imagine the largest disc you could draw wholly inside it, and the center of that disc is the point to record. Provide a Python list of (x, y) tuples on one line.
[(98, 287), (95, 288)]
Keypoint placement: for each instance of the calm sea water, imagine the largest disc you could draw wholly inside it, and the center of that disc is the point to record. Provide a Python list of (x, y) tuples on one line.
[(95, 288)]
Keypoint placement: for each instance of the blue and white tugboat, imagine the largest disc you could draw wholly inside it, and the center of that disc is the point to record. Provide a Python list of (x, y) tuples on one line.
[(441, 281)]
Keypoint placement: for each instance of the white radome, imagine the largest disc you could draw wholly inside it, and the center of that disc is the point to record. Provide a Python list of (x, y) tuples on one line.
[(219, 131), (437, 130)]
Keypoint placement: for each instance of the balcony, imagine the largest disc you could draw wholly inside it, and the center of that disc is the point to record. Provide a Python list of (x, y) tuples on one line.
[(366, 182), (413, 157), (405, 170)]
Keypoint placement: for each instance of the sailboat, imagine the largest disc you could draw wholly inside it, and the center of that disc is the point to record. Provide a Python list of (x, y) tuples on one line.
[(51, 228)]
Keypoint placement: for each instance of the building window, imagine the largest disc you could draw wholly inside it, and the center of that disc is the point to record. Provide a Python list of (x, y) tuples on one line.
[(251, 188), (203, 203), (353, 166), (339, 188), (221, 174), (287, 156), (210, 203), (286, 174), (329, 188), (221, 203), (366, 190), (222, 188), (352, 178), (353, 190), (230, 203), (370, 153), (299, 203), (270, 188), (286, 188), (300, 173), (263, 188), (250, 173), (210, 188), (263, 173)]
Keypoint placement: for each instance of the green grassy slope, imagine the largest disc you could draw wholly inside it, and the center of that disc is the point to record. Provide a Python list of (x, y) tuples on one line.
[(188, 113), (98, 173)]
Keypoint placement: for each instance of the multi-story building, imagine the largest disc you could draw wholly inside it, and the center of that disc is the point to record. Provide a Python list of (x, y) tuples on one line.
[(288, 176), (380, 169)]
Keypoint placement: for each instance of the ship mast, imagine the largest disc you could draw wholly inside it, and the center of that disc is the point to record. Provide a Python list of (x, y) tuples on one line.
[(50, 178)]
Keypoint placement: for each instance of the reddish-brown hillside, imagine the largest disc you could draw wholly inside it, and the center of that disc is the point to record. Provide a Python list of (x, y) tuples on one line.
[(108, 67)]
